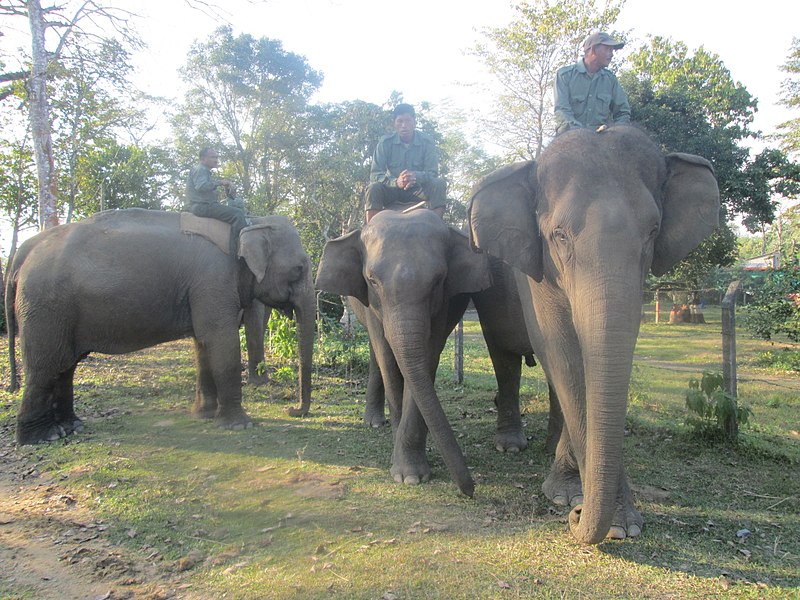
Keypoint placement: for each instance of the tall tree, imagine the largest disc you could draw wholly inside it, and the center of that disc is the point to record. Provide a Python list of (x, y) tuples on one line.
[(790, 97), (524, 56), (690, 102), (247, 96), (67, 21)]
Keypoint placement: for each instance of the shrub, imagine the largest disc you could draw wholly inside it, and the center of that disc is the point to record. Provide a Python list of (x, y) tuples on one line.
[(775, 307), (712, 408)]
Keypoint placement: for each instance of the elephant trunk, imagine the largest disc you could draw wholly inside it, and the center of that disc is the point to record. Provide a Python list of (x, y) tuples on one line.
[(304, 306), (412, 349), (608, 335)]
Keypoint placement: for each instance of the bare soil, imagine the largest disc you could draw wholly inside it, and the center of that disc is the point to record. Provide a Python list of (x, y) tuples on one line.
[(52, 546)]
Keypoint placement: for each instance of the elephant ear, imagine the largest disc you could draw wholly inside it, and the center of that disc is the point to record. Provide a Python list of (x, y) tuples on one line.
[(254, 248), (502, 217), (341, 268), (467, 272), (690, 209)]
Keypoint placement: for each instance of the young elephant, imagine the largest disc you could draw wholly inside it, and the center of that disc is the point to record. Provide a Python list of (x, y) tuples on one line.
[(586, 224), (129, 279), (409, 277)]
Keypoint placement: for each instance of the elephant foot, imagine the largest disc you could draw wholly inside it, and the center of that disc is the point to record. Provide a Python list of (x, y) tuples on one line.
[(373, 418), (43, 433), (71, 425), (563, 488), (510, 441), (627, 522), (235, 420), (204, 412), (257, 380), (411, 472)]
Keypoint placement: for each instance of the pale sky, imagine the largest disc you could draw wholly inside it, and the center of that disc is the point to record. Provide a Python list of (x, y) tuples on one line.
[(368, 48)]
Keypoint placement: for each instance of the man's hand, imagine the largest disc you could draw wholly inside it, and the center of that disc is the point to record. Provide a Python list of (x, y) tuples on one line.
[(407, 179)]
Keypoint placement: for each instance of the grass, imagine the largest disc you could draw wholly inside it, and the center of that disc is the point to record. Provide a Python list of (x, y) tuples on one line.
[(306, 508)]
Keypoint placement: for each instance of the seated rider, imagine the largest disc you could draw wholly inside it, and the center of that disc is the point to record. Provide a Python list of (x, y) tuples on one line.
[(203, 197), (405, 169)]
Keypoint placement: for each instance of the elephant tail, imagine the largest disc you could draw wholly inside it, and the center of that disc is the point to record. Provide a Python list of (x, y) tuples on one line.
[(11, 326)]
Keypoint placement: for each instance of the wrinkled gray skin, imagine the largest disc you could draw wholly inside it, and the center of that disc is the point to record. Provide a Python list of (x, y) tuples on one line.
[(585, 225), (125, 280), (405, 269), (409, 278), (503, 326), (255, 320)]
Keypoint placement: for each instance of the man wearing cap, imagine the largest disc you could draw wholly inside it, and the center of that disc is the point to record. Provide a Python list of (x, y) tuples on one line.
[(587, 94), (202, 193), (405, 169)]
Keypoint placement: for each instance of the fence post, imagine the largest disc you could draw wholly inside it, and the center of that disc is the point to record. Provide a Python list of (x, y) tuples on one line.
[(458, 339), (729, 353)]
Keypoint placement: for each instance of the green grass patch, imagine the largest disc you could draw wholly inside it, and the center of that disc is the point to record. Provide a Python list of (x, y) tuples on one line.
[(305, 508)]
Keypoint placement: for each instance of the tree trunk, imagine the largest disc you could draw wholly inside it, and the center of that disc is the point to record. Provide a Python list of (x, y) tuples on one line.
[(40, 118)]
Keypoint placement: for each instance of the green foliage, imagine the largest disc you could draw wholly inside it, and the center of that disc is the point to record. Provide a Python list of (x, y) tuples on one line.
[(783, 360), (282, 336), (712, 408), (775, 307), (790, 97), (524, 57), (344, 353)]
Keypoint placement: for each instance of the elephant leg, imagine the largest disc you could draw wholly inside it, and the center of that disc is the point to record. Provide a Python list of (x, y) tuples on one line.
[(64, 403), (388, 372), (374, 411), (555, 421), (205, 398), (224, 360), (563, 484), (409, 460), (628, 521), (510, 436), (255, 324)]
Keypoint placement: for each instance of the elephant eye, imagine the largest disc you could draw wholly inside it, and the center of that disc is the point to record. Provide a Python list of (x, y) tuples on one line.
[(560, 236), (297, 272)]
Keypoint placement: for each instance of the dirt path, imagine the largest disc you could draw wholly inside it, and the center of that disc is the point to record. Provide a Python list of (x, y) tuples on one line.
[(52, 546)]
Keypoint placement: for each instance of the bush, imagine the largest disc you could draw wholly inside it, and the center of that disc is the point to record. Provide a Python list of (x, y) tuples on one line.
[(712, 408), (775, 307)]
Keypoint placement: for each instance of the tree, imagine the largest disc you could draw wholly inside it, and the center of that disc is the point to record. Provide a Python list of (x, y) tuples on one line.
[(690, 103), (248, 97), (790, 97), (67, 26), (775, 307), (17, 186), (524, 57)]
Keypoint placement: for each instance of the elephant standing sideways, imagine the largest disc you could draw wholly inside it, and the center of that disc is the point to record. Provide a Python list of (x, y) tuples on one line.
[(586, 224), (410, 277), (129, 279)]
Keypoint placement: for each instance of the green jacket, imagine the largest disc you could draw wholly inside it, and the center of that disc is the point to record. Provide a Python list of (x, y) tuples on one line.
[(582, 100), (392, 157), (201, 186)]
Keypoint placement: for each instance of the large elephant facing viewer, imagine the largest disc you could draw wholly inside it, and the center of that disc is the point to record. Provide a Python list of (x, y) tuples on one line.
[(124, 280), (585, 224)]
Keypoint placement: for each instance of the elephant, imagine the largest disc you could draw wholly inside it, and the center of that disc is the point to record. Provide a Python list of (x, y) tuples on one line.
[(123, 280), (584, 224), (504, 331), (409, 277)]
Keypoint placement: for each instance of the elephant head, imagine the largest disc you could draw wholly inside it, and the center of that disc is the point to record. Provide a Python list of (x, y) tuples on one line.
[(281, 271), (404, 268), (586, 224)]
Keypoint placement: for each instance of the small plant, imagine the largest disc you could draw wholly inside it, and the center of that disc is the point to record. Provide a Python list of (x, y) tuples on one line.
[(713, 410), (282, 336)]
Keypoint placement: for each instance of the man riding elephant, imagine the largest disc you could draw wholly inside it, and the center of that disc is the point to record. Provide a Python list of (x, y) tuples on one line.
[(405, 169)]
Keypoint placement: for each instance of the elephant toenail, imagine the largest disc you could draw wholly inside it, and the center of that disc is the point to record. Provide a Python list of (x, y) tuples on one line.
[(616, 533), (634, 530)]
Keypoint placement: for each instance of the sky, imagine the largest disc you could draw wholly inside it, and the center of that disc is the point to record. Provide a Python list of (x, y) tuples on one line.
[(368, 48)]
